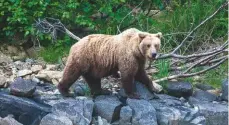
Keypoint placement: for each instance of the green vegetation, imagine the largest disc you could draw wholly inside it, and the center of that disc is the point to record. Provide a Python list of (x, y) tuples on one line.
[(175, 19)]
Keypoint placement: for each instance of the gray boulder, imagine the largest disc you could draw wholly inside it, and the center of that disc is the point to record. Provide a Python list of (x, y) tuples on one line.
[(203, 87), (144, 112), (80, 88), (125, 115), (9, 121), (79, 110), (225, 90), (107, 107), (24, 72), (53, 119), (173, 111), (25, 110), (140, 90), (204, 96), (2, 81), (180, 89), (21, 87), (215, 113)]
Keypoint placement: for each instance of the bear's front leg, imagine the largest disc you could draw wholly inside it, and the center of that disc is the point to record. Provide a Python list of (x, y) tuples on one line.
[(142, 77), (128, 72)]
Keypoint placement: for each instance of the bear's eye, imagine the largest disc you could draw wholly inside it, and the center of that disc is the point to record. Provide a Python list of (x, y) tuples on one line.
[(148, 46)]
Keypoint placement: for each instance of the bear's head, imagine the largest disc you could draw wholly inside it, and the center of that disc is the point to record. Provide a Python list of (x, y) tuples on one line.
[(149, 44)]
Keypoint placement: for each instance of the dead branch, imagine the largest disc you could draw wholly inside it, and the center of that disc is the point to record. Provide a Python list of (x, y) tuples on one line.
[(188, 62), (172, 54), (51, 25), (191, 74)]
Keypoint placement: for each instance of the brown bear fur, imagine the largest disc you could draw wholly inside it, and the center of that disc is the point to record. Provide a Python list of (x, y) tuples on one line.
[(98, 55)]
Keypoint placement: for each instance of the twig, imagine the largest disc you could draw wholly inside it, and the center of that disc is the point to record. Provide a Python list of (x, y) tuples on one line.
[(191, 74), (172, 54)]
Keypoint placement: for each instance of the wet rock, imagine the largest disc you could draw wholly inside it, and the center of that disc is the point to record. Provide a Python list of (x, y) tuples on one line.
[(225, 90), (100, 121), (79, 110), (2, 81), (180, 89), (215, 114), (204, 87), (107, 107), (144, 112), (125, 116), (9, 121), (168, 100), (26, 111), (172, 110), (204, 96), (140, 90), (80, 88), (24, 72), (53, 119), (21, 87)]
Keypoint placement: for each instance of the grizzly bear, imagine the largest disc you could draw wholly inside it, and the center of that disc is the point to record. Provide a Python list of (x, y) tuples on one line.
[(98, 55)]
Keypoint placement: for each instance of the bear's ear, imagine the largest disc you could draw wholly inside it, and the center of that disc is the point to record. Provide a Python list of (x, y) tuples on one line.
[(159, 35), (141, 36)]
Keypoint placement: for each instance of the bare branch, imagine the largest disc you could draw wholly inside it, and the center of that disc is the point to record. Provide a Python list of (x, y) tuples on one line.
[(172, 54), (191, 74), (51, 25)]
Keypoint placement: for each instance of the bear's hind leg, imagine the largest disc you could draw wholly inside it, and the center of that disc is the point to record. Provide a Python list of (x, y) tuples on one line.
[(70, 75), (95, 85)]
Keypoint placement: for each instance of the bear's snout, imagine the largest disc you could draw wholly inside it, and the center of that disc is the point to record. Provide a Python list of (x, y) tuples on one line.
[(154, 55)]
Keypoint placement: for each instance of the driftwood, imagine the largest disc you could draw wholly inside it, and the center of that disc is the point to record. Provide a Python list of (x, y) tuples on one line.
[(210, 59)]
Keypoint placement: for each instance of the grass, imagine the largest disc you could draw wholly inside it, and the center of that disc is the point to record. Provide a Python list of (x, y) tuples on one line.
[(213, 77)]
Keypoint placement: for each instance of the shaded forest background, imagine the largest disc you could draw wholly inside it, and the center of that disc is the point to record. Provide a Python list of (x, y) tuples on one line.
[(174, 18)]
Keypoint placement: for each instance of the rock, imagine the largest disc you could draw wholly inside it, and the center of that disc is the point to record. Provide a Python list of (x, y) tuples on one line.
[(79, 110), (36, 68), (55, 82), (204, 96), (25, 110), (9, 121), (125, 116), (107, 107), (36, 80), (168, 100), (204, 87), (100, 121), (225, 90), (28, 60), (21, 87), (24, 72), (215, 114), (52, 119), (2, 81), (51, 67), (171, 110), (140, 90), (22, 65), (4, 59), (180, 89), (80, 88), (144, 112), (49, 75), (216, 92)]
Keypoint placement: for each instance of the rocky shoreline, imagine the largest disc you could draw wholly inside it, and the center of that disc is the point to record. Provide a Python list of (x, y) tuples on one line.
[(28, 96)]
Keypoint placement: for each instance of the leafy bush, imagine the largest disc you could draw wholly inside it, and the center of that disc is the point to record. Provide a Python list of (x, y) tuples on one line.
[(103, 16)]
